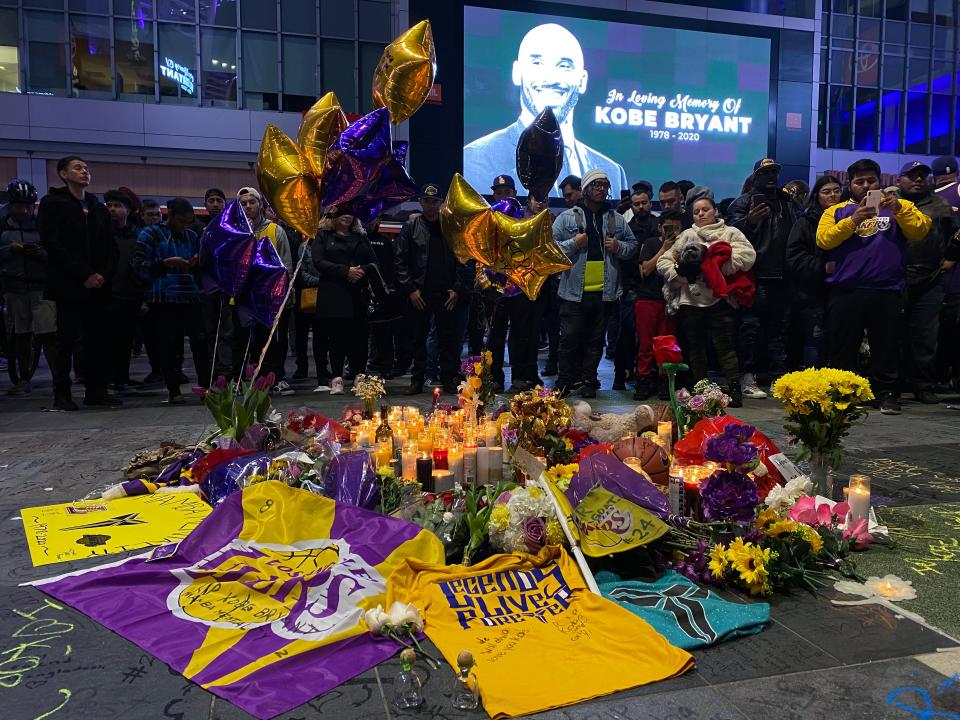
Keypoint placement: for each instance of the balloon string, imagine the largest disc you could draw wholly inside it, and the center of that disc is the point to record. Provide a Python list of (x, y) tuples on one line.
[(276, 319), (243, 364), (216, 341)]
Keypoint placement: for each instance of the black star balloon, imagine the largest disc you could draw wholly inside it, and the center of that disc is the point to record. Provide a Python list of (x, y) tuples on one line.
[(540, 154)]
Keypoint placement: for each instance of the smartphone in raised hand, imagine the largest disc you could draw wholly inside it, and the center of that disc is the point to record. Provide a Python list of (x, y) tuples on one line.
[(874, 197)]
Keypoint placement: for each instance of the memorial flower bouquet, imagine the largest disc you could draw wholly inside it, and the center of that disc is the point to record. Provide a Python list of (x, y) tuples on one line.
[(238, 414), (477, 387), (369, 389), (399, 622), (707, 400), (522, 520), (538, 422), (479, 502)]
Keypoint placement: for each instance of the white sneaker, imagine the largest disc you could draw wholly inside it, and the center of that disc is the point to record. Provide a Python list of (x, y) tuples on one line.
[(322, 388), (336, 386), (283, 388), (750, 389)]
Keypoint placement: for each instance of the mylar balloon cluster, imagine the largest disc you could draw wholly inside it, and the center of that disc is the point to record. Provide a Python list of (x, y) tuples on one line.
[(335, 163), (522, 249), (540, 154), (247, 270)]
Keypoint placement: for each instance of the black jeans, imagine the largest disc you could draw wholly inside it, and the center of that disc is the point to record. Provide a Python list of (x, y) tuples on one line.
[(948, 346), (582, 326), (347, 340), (387, 352), (447, 337), (701, 325), (625, 354), (218, 327), (126, 315), (763, 330), (852, 311), (523, 317), (90, 323), (255, 336), (551, 318), (176, 320), (919, 359)]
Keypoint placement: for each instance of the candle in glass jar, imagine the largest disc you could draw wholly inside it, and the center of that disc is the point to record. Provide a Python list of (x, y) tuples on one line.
[(858, 497), (483, 465), (495, 464), (442, 481), (455, 463), (691, 492), (665, 434), (440, 455), (675, 489), (469, 464), (409, 461), (425, 472), (383, 454), (490, 433), (425, 440)]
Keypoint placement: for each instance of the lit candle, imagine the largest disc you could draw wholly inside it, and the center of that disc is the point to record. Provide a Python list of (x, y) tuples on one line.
[(691, 492), (354, 436), (483, 465), (469, 463), (455, 463), (859, 497), (409, 461), (425, 472), (383, 454), (440, 458), (665, 434), (442, 481), (490, 433), (425, 440), (495, 464), (675, 489)]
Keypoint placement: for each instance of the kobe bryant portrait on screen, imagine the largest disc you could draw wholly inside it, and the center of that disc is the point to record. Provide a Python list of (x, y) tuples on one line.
[(549, 71)]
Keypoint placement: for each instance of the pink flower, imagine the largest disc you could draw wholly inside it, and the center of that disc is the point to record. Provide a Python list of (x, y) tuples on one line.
[(858, 534), (807, 512), (220, 384), (248, 373), (199, 391)]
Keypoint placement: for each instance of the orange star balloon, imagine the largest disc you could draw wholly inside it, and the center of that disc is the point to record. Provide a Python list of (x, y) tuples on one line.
[(528, 253), (467, 223), (321, 125), (286, 182), (405, 73)]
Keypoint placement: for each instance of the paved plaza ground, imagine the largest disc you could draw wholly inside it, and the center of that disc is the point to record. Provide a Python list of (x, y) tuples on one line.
[(814, 661)]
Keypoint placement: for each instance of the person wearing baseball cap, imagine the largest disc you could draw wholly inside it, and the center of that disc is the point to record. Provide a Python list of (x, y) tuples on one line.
[(432, 279), (944, 171), (925, 292), (596, 240), (503, 186), (765, 215)]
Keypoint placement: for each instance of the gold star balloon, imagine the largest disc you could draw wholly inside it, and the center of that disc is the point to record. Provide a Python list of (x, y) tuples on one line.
[(528, 253), (321, 125), (467, 223), (405, 73), (286, 182)]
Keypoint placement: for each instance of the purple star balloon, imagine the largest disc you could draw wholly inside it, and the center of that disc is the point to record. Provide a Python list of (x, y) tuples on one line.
[(226, 251), (355, 157), (540, 154), (391, 186), (266, 287), (509, 206)]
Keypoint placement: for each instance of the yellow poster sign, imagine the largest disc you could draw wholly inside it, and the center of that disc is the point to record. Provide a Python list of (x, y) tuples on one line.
[(72, 531), (609, 524)]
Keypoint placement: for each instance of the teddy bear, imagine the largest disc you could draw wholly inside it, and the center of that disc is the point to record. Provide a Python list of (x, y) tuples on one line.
[(610, 427)]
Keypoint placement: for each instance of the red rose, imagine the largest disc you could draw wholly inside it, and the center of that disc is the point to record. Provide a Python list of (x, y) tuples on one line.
[(666, 350), (447, 498)]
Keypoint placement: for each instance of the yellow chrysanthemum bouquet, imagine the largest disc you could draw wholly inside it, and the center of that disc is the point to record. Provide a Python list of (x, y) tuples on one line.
[(822, 404)]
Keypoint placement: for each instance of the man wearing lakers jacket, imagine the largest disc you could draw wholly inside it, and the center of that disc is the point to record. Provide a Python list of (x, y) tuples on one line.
[(866, 276)]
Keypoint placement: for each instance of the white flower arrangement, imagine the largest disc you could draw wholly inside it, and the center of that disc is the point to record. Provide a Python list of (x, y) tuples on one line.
[(369, 388), (523, 520), (782, 497)]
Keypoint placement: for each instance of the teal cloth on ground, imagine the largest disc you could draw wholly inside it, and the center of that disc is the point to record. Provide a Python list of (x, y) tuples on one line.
[(687, 615)]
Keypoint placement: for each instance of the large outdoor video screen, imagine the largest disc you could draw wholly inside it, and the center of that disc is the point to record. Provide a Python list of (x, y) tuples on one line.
[(641, 103)]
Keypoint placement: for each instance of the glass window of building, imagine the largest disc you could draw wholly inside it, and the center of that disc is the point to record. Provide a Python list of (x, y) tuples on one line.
[(47, 4), (893, 70), (375, 21), (261, 82), (100, 7), (297, 16), (218, 67), (177, 10), (920, 11), (133, 53), (840, 67), (46, 52), (370, 54), (337, 18), (260, 15), (941, 137), (140, 9), (337, 71), (177, 58), (891, 110), (841, 115), (918, 71), (916, 126), (299, 72), (9, 52), (896, 9), (865, 123), (868, 64), (90, 56), (218, 12)]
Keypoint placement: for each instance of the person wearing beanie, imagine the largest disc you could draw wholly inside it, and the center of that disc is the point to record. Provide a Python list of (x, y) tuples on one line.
[(596, 240), (126, 291), (927, 260), (765, 215), (865, 248)]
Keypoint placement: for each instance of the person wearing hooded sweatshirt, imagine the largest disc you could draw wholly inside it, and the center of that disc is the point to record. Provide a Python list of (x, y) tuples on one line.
[(702, 315), (925, 291), (81, 259), (596, 240), (806, 272), (765, 215), (866, 276), (126, 289)]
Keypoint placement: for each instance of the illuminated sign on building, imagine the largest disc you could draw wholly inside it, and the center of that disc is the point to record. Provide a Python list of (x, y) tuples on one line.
[(179, 74)]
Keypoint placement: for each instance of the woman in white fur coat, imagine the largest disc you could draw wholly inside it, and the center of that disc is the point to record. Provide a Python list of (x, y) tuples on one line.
[(703, 316)]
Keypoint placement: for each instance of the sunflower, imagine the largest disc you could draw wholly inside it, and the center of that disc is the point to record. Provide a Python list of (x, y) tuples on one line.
[(718, 561), (766, 517), (812, 537), (750, 562), (780, 529)]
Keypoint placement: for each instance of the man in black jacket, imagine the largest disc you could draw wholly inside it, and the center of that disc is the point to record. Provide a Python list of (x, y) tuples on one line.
[(126, 290), (429, 275), (82, 256), (766, 216)]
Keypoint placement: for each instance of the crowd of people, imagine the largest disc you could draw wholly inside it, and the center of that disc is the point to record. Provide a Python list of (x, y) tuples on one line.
[(853, 276)]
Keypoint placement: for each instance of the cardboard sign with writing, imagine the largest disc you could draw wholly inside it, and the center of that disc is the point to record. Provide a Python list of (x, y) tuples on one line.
[(532, 466), (785, 466), (71, 531)]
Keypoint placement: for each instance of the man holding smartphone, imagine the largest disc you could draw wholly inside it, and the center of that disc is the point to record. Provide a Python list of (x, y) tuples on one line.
[(866, 277), (765, 216)]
